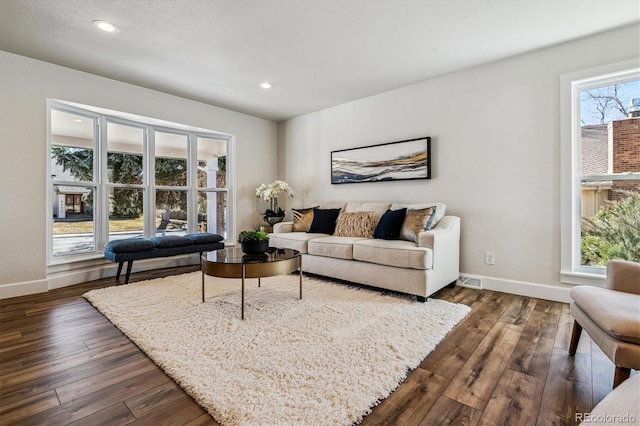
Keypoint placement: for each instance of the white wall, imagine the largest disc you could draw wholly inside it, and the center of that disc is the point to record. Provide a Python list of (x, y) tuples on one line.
[(495, 154), (25, 85)]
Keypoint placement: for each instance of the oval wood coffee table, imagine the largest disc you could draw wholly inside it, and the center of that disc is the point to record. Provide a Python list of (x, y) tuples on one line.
[(233, 263)]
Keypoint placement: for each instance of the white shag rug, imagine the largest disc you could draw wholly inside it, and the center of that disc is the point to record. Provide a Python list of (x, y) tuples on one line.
[(326, 359)]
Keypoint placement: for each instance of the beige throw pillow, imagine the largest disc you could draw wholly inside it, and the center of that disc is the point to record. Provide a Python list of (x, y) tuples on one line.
[(356, 224), (415, 221), (302, 219)]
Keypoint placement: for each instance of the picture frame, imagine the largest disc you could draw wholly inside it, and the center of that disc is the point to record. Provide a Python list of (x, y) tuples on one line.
[(402, 160)]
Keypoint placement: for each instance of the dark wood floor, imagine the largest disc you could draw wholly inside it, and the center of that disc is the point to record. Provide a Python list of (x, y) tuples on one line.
[(62, 362)]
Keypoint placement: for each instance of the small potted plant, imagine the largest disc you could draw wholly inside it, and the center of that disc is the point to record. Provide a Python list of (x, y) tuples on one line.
[(253, 242)]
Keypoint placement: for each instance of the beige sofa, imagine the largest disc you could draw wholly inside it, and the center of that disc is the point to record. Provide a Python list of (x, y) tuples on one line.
[(418, 269)]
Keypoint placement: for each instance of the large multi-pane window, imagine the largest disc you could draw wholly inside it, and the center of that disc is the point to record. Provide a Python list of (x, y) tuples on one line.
[(605, 135), (114, 177)]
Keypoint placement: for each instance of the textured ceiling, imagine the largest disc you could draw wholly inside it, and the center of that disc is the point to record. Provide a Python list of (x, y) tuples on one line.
[(317, 54)]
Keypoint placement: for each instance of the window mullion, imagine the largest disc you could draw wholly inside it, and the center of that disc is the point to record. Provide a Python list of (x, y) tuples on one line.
[(611, 177), (102, 199), (149, 179), (192, 183), (230, 186)]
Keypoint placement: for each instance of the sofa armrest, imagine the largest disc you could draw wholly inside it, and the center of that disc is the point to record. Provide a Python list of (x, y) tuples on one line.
[(444, 242), (281, 227), (448, 229)]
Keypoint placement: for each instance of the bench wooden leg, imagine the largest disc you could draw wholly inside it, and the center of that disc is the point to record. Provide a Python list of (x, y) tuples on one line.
[(129, 265), (119, 270)]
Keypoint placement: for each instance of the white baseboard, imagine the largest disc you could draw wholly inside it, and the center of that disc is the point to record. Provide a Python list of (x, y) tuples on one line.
[(23, 288), (77, 276), (90, 272), (558, 293)]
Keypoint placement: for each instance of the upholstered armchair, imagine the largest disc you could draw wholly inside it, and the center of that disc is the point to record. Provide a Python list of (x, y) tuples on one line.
[(611, 316)]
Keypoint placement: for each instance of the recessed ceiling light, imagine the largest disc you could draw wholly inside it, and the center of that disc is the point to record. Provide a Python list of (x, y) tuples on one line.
[(266, 85), (77, 120), (105, 26)]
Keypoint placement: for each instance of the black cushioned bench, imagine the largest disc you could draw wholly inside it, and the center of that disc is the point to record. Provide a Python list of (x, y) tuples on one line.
[(130, 249)]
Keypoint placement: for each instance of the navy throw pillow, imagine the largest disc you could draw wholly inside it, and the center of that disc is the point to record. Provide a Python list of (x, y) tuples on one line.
[(390, 224), (324, 221)]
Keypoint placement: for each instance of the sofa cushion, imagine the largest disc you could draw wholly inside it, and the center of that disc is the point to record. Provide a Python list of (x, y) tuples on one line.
[(302, 219), (416, 221), (390, 223), (622, 322), (399, 253), (170, 241), (441, 210), (324, 221), (339, 247), (293, 240), (356, 224), (205, 238), (129, 245)]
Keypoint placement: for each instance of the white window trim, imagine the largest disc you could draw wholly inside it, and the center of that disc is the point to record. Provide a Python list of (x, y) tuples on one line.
[(571, 272), (101, 116)]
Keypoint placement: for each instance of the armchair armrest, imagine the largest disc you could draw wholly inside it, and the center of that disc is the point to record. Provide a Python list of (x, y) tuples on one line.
[(623, 275), (281, 227)]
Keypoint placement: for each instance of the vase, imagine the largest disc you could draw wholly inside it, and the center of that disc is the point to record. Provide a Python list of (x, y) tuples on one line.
[(272, 220), (274, 213), (254, 247)]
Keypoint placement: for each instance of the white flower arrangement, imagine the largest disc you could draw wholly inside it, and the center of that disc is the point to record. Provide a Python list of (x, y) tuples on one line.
[(271, 191)]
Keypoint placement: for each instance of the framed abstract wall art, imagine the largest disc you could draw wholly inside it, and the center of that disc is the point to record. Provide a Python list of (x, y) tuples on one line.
[(402, 160)]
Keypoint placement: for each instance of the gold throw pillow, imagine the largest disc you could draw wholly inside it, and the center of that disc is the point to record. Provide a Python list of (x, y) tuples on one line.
[(356, 224), (302, 219), (415, 221)]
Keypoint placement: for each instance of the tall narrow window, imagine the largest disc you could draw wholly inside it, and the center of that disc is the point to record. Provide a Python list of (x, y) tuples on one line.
[(125, 179), (609, 172), (605, 164), (117, 176), (212, 185), (171, 177), (73, 141)]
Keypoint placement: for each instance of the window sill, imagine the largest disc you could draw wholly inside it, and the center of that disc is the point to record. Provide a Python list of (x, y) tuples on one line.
[(61, 260), (582, 278), (57, 262)]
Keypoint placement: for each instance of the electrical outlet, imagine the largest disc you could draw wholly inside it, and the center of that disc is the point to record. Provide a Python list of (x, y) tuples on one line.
[(490, 258)]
